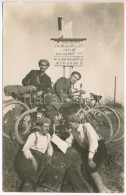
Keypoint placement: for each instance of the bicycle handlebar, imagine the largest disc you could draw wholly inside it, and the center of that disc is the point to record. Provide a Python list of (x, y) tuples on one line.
[(80, 91)]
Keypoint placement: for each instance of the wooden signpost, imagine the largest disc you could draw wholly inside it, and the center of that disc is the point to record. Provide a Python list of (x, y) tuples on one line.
[(68, 52)]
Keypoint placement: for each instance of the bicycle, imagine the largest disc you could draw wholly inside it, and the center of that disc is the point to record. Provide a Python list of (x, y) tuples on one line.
[(27, 121), (14, 107), (112, 112)]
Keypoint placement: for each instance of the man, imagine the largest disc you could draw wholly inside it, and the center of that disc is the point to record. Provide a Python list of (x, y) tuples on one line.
[(32, 159), (38, 78), (62, 95), (62, 98), (93, 149), (64, 86)]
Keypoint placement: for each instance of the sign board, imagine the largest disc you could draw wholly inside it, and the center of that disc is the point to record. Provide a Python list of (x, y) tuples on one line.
[(68, 52)]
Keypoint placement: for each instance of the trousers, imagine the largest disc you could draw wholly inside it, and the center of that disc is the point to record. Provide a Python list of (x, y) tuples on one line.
[(25, 169)]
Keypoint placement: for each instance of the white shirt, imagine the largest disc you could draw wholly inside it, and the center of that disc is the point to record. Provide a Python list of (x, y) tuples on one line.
[(40, 143), (87, 135)]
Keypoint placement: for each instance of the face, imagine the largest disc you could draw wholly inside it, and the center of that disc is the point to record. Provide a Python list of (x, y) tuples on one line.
[(44, 129), (74, 78), (73, 125), (43, 66)]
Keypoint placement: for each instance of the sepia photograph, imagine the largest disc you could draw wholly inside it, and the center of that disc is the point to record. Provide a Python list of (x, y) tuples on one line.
[(63, 96)]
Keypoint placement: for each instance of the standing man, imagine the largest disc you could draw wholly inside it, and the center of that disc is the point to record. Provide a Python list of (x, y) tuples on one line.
[(38, 78), (93, 150)]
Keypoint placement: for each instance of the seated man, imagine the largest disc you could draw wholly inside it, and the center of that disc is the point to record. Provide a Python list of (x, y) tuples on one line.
[(38, 78), (32, 158), (62, 96), (93, 149)]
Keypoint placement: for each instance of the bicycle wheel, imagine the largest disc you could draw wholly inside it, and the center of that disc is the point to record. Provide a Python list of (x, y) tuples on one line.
[(101, 124), (11, 111), (25, 124), (118, 111), (120, 135), (113, 116)]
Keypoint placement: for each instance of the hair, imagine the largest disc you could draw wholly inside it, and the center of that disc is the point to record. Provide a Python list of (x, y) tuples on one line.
[(45, 61), (75, 72)]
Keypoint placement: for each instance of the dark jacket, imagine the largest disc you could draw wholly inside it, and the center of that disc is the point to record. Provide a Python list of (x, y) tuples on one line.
[(62, 88), (41, 82)]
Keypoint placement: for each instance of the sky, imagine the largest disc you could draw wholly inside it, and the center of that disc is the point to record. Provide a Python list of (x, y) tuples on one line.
[(29, 26)]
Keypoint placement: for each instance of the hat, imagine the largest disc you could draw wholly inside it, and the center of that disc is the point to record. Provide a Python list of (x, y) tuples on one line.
[(43, 120), (74, 118)]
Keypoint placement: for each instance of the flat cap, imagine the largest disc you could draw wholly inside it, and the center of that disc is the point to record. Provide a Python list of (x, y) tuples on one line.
[(74, 118), (43, 120)]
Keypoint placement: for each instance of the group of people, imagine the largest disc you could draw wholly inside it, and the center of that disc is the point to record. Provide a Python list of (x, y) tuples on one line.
[(38, 150)]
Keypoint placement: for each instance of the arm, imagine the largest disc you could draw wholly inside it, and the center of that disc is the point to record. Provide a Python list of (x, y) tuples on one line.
[(26, 80), (59, 86), (92, 139), (26, 150), (49, 153), (29, 143), (93, 144), (49, 83), (49, 150), (62, 90), (44, 86)]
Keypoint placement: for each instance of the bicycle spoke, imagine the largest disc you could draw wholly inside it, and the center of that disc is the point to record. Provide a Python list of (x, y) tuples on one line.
[(11, 111), (113, 116), (101, 123)]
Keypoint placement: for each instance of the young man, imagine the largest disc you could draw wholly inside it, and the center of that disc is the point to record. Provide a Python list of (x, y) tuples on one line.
[(31, 160), (62, 98), (93, 149), (62, 95), (38, 78)]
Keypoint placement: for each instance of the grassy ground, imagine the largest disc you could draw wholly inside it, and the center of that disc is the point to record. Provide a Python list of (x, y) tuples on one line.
[(112, 171)]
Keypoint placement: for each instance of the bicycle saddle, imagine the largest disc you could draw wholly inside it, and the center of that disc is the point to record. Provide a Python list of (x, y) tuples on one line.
[(95, 97)]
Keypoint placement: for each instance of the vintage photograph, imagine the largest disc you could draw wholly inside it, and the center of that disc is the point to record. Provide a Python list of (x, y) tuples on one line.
[(63, 97)]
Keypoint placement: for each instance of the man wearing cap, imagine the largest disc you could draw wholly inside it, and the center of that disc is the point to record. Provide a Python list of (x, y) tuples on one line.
[(31, 160), (93, 149), (38, 78)]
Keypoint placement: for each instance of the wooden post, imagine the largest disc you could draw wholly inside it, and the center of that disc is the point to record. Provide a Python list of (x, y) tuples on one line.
[(115, 91), (70, 70), (64, 68)]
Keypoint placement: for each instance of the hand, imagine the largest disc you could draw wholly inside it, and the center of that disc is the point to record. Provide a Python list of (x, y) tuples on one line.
[(34, 88), (68, 100), (39, 93), (48, 160), (91, 163), (34, 163)]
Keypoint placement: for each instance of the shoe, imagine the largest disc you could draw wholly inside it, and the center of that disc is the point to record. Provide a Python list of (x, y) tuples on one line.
[(28, 187)]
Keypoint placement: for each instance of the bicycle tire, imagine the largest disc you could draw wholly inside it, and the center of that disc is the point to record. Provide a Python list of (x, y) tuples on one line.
[(113, 116), (119, 137), (20, 138), (118, 110), (103, 128), (13, 115)]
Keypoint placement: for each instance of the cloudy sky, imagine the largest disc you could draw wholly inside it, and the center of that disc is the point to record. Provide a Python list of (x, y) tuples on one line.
[(29, 26)]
